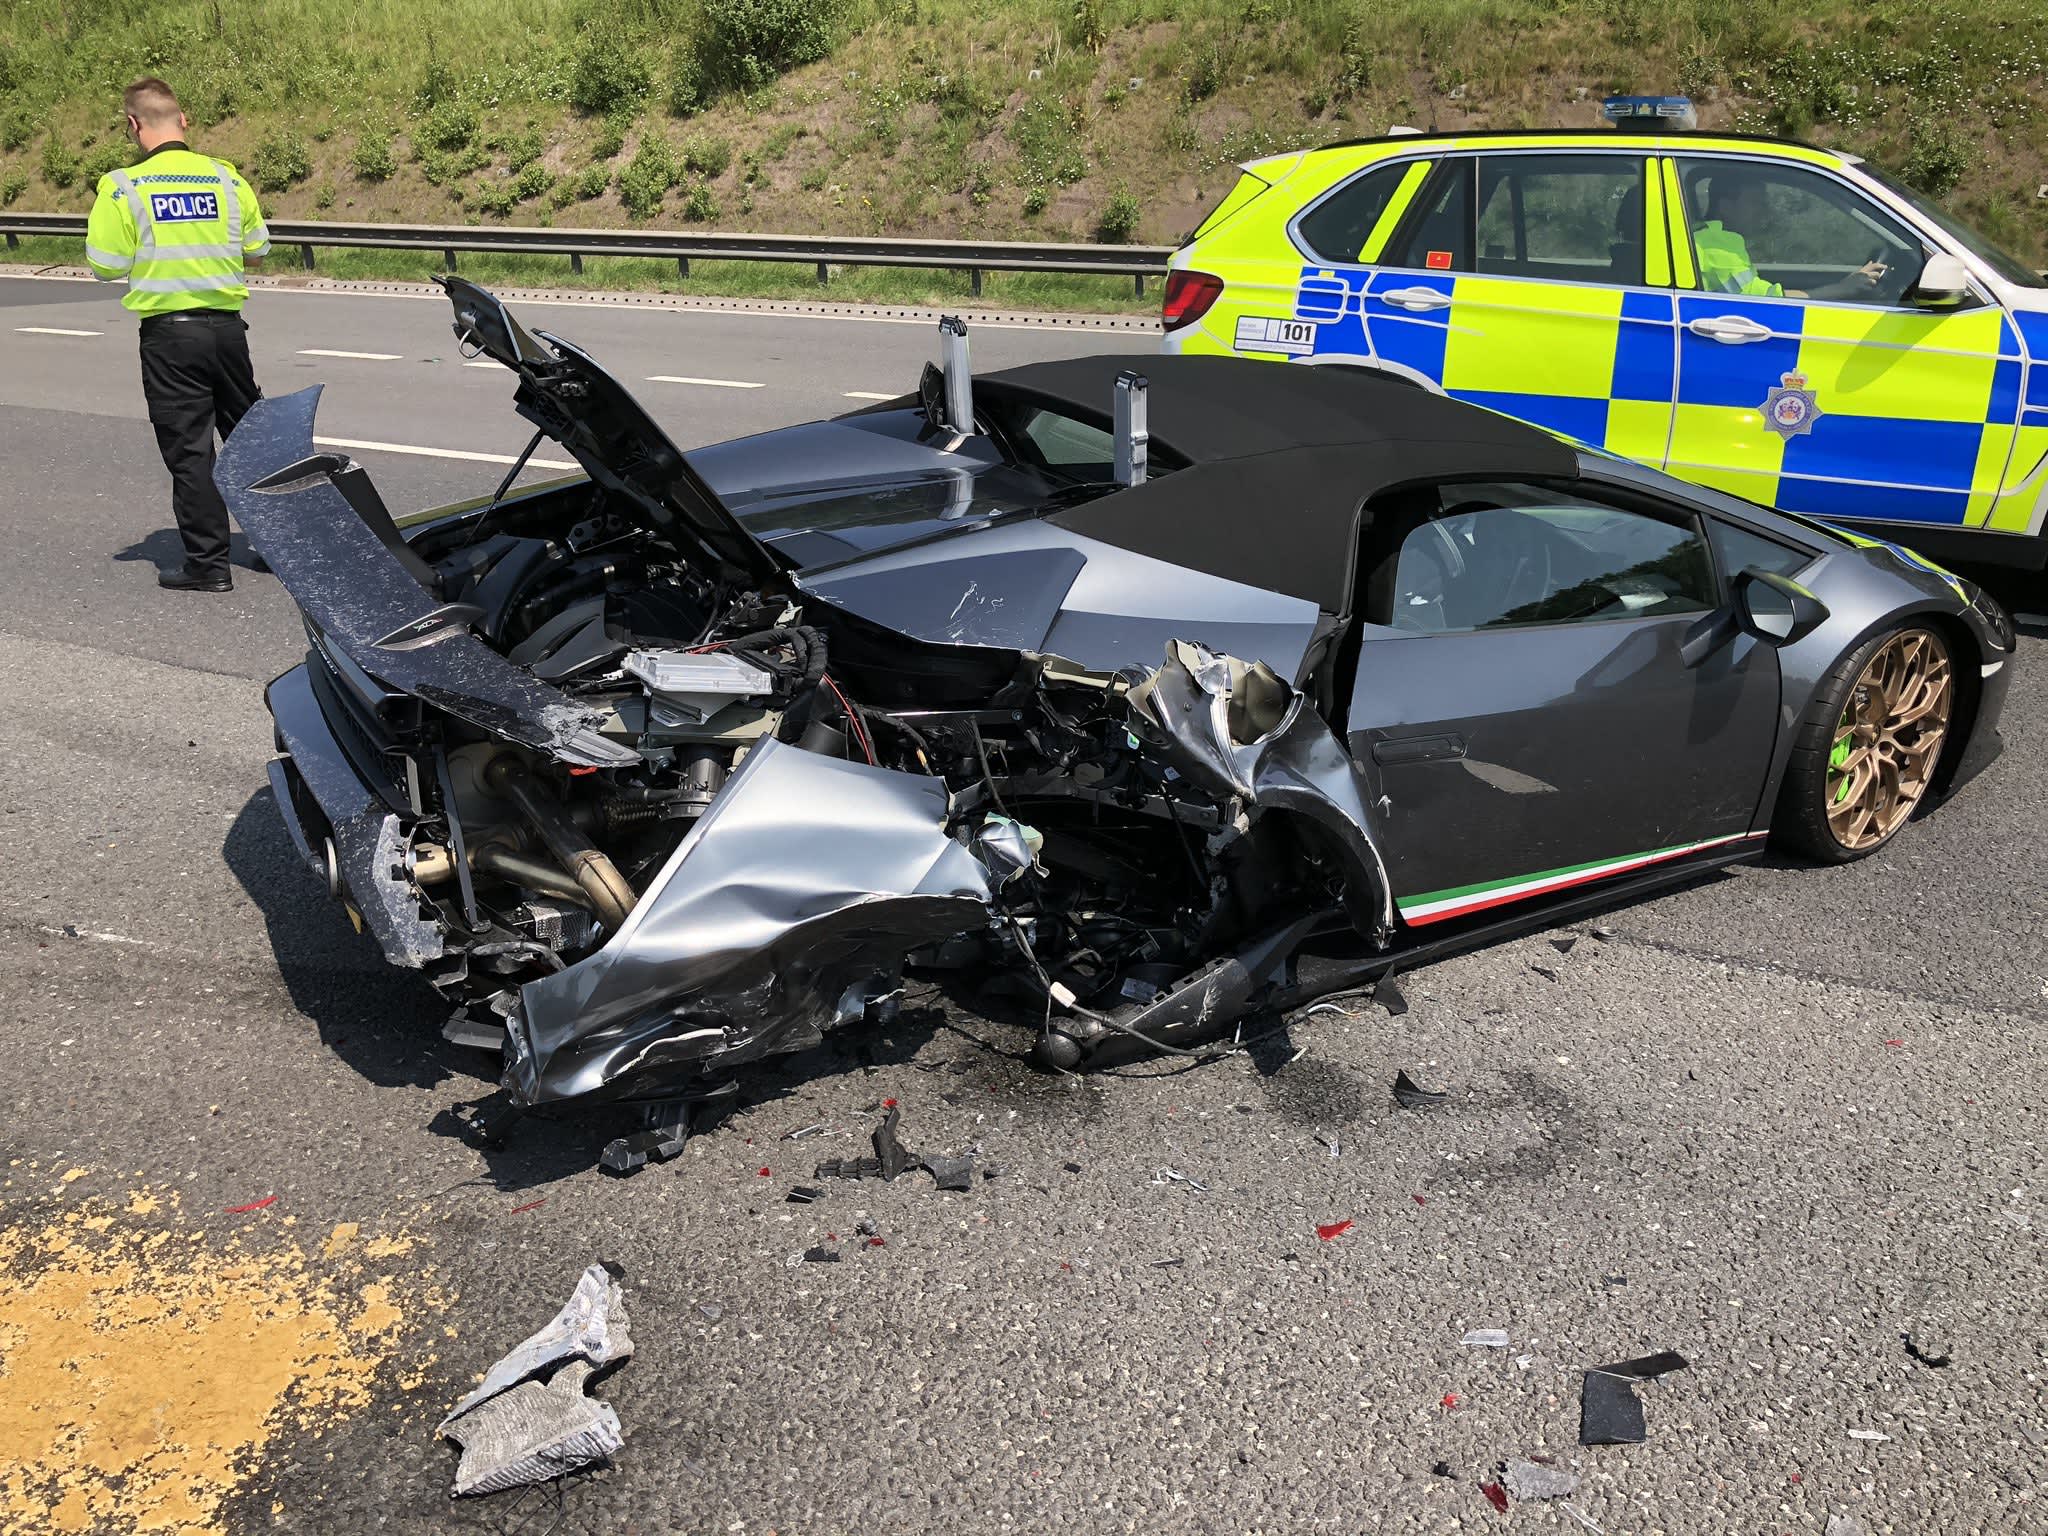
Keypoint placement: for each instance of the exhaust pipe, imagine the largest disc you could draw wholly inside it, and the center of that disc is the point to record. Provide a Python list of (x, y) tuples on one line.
[(611, 896)]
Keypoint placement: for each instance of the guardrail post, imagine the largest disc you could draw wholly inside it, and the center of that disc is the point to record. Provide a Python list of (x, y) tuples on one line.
[(576, 263), (974, 281), (12, 243), (824, 274), (306, 257), (682, 266), (449, 257), (1138, 284)]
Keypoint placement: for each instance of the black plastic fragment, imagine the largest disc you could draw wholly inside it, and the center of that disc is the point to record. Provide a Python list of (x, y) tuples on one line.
[(1934, 1362), (1548, 973), (1072, 1167), (821, 1255), (1387, 993), (849, 1168), (1564, 945), (1410, 1094), (955, 1173), (1610, 1413), (667, 1132), (895, 1160), (1173, 1263), (1442, 1469), (485, 1122), (803, 1194)]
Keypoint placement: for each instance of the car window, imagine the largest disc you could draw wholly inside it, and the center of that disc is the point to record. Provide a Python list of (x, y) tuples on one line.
[(1574, 217), (1064, 443), (1337, 228), (1740, 549), (1497, 556), (1770, 229), (1993, 255), (1437, 234)]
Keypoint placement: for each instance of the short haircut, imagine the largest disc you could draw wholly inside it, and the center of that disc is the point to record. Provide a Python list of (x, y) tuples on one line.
[(1727, 185), (151, 102)]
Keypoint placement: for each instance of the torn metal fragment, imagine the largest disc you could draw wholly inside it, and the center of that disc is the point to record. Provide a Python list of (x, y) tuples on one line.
[(802, 1194), (712, 1310), (805, 1130), (1610, 1413), (1533, 1480), (591, 1326), (891, 1153), (1411, 1095), (1172, 1263), (866, 1227), (1175, 1176), (1548, 973), (1486, 1338), (1868, 1434), (1387, 993), (1564, 945), (954, 1173)]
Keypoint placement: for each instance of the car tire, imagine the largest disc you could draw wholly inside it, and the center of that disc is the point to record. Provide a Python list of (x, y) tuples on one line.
[(1869, 747)]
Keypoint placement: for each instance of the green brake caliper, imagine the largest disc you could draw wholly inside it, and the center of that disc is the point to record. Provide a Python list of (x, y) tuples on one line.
[(1838, 760)]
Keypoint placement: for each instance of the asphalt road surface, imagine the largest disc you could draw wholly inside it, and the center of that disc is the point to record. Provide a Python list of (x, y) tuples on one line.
[(1776, 1122)]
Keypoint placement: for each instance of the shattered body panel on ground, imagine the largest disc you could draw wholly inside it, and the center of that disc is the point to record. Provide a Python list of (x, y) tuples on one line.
[(673, 766)]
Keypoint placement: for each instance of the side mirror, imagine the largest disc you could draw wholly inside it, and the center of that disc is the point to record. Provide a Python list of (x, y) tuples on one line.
[(1775, 608), (1943, 281)]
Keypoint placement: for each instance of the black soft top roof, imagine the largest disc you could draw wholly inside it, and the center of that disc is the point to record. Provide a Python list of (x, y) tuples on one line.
[(1280, 460)]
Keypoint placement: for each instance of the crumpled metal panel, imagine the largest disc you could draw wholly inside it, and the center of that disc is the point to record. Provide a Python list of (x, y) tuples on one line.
[(808, 879), (355, 592), (1298, 766), (368, 842)]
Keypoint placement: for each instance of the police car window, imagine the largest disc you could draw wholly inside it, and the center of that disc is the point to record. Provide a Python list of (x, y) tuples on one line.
[(1574, 217), (1742, 549), (1804, 234), (1437, 233), (1503, 556), (1996, 257), (1337, 228)]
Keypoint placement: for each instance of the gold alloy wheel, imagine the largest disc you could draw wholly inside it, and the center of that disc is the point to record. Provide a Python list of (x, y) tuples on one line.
[(1889, 738)]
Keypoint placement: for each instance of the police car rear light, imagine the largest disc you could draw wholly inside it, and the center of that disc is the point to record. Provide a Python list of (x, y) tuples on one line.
[(1651, 111), (1189, 296)]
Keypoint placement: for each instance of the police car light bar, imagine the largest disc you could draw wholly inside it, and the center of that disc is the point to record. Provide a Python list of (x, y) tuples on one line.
[(1663, 111)]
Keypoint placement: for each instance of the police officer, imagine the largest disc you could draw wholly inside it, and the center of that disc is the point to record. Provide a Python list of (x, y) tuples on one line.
[(1738, 203), (181, 228)]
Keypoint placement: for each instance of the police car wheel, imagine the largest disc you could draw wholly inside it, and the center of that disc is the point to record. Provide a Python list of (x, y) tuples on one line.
[(1868, 749)]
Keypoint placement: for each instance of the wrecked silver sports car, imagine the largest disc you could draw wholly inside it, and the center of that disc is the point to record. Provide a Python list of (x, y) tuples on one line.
[(679, 763)]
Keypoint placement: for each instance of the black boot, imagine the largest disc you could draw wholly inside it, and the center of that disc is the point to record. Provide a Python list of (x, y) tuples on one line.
[(185, 579)]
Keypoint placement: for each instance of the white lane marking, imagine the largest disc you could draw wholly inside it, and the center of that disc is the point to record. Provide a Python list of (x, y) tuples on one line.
[(868, 394), (53, 330), (441, 453), (367, 357), (678, 378), (483, 362)]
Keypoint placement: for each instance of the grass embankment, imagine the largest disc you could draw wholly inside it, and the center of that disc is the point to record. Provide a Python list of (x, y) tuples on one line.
[(1058, 119)]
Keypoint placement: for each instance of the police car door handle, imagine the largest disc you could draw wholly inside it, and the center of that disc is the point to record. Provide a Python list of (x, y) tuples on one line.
[(1733, 329), (1418, 299)]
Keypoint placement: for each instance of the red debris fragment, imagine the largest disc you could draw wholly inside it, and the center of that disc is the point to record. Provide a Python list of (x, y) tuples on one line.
[(1895, 1042), (1329, 1229), (253, 1205), (581, 773), (1449, 1400), (767, 1173), (1066, 1266), (1418, 1199), (876, 1242), (1798, 1477), (888, 1103), (1496, 1495), (831, 1237), (531, 1205)]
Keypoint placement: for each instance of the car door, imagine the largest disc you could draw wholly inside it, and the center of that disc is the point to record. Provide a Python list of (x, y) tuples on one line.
[(1536, 283), (1801, 386), (1520, 705), (1340, 237)]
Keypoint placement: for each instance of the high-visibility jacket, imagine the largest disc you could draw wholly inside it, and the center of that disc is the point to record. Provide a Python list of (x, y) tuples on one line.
[(177, 227), (1725, 265)]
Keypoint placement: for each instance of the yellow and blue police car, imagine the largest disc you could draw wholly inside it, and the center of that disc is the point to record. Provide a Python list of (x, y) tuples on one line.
[(1755, 314)]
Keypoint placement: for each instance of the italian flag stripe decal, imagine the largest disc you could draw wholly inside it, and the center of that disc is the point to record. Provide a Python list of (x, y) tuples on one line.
[(1435, 906)]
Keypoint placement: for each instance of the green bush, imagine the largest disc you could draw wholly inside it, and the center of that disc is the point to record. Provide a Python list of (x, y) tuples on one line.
[(593, 183), (108, 157), (1084, 27), (981, 186), (533, 181), (323, 197), (372, 157), (1047, 144), (59, 165), (1034, 202), (495, 198), (611, 74), (437, 87), (648, 176), (280, 160), (12, 186), (1938, 159), (564, 193), (707, 156), (611, 138), (687, 90), (521, 149), (747, 43), (449, 126), (16, 128), (1119, 218), (1205, 73), (700, 207), (443, 169)]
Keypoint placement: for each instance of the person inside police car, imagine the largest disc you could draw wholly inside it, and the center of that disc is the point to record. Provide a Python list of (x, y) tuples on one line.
[(183, 228), (1738, 204)]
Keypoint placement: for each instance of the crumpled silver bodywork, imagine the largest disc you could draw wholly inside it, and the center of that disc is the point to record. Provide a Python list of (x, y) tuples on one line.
[(786, 909)]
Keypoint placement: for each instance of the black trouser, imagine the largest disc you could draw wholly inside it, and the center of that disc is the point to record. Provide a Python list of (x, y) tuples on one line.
[(196, 376)]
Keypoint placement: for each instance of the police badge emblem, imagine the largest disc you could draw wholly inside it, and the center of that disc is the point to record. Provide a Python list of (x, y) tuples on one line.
[(1789, 408)]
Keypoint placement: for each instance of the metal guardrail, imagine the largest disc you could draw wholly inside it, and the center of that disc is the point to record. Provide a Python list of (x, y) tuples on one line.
[(974, 257)]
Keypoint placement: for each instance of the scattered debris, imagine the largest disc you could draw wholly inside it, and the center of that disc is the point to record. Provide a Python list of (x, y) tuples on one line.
[(1071, 1167), (1495, 1495), (1334, 1141), (1387, 993), (895, 1159), (1840, 1524), (1486, 1338), (253, 1205), (866, 1227), (806, 1130), (1173, 1263), (993, 1171), (1610, 1281), (1564, 945), (1410, 1094), (518, 1428), (712, 1310), (1610, 1413), (1329, 1229), (1533, 1480), (70, 930), (1442, 1469), (1935, 1362), (1548, 973), (1583, 1518), (1420, 1199), (1448, 1401), (1868, 1434), (665, 1131), (954, 1173), (1603, 933), (1175, 1176), (803, 1194), (821, 1255), (531, 1205)]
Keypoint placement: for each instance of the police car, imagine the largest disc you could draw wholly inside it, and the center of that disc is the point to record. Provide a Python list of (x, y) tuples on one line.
[(1750, 313)]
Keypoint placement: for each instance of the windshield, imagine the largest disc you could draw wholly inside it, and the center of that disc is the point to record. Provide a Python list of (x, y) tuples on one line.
[(2004, 263)]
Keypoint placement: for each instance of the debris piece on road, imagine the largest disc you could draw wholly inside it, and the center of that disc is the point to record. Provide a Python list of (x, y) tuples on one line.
[(805, 1130), (1442, 1469), (1603, 933), (1840, 1524), (1071, 1167), (1926, 1358), (1388, 994), (712, 1310), (666, 1132), (802, 1194), (1410, 1094), (1612, 1280), (531, 1205), (866, 1227), (1486, 1338), (1564, 945), (1334, 1141), (1496, 1495), (1610, 1413), (1172, 1263), (821, 1255), (1583, 1518), (1420, 1199), (517, 1428), (71, 930), (1175, 1176), (1329, 1229), (1533, 1480), (253, 1205), (895, 1158), (954, 1173), (1868, 1434), (1548, 973), (1448, 1400)]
